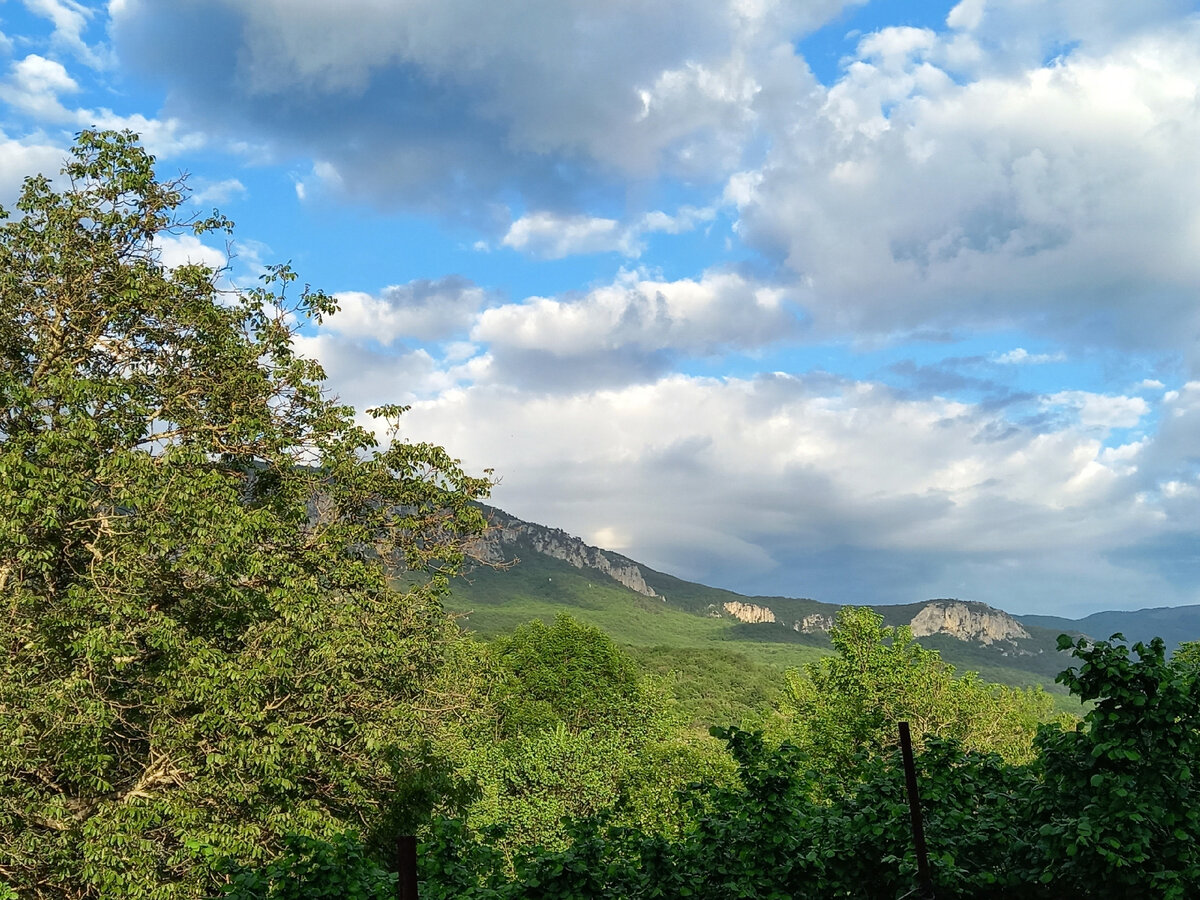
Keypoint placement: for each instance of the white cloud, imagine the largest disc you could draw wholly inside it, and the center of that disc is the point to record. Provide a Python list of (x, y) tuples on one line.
[(687, 218), (967, 15), (1022, 357), (552, 236), (187, 249), (631, 329), (1058, 197), (419, 310), (462, 96), (753, 483), (161, 137), (207, 193), (70, 20), (36, 85), (22, 158), (1101, 410)]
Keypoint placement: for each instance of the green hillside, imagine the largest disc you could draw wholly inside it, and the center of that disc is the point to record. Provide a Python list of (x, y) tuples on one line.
[(721, 671), (494, 601)]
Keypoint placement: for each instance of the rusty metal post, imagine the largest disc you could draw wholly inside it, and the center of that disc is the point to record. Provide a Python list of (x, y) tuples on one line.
[(924, 880), (406, 867)]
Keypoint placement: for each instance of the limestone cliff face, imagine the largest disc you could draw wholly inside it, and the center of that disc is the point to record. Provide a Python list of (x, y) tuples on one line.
[(966, 621), (749, 612), (507, 535), (811, 624)]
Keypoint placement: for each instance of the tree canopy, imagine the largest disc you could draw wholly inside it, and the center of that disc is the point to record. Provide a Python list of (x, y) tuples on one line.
[(203, 650), (879, 675)]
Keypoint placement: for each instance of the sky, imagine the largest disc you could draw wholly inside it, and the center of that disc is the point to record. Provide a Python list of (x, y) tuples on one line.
[(869, 302)]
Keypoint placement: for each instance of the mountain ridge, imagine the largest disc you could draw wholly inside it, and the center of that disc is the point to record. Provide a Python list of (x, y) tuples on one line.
[(968, 633)]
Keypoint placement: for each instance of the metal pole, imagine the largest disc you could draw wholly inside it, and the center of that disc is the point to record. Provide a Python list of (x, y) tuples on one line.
[(924, 880), (406, 867)]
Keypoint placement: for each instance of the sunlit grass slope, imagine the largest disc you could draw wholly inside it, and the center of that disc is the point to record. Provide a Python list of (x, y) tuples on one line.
[(492, 603)]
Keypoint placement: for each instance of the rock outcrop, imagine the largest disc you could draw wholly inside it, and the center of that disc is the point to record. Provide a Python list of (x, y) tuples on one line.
[(507, 536), (967, 622), (749, 612), (813, 623)]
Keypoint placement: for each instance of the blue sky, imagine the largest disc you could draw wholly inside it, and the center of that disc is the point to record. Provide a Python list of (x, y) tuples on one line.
[(862, 301)]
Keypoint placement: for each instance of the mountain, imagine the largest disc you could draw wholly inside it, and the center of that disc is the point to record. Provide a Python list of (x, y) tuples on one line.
[(1174, 624), (553, 571)]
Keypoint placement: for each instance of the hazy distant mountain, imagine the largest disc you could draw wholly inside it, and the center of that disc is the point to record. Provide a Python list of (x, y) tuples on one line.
[(1174, 624)]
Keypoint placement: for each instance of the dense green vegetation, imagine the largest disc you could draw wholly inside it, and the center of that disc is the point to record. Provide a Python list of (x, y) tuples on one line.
[(230, 670), (203, 653), (1103, 810)]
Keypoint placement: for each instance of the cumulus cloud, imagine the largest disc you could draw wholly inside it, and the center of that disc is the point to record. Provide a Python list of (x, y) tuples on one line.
[(70, 20), (365, 375), (632, 329), (773, 483), (450, 99), (552, 236), (21, 158), (420, 310), (207, 193), (36, 87), (1019, 356), (187, 249), (1052, 196), (1101, 410)]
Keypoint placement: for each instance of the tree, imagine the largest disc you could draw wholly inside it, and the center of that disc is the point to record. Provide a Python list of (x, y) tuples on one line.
[(203, 651), (576, 731), (850, 702), (1120, 801), (568, 672)]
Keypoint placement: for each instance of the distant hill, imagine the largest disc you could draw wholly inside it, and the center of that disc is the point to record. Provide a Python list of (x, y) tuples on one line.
[(1174, 624), (642, 607)]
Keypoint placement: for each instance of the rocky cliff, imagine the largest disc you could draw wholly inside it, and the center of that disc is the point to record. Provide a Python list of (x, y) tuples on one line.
[(749, 612), (508, 536), (812, 624), (967, 622)]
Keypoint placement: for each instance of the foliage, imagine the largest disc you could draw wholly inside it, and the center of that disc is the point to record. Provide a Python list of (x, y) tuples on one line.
[(1120, 802), (766, 836), (567, 672), (713, 687), (1107, 809), (311, 869), (203, 651), (576, 730), (851, 702)]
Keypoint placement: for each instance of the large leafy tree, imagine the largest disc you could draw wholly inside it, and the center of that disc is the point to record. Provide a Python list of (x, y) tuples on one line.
[(1120, 800), (574, 730), (879, 675), (203, 652)]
